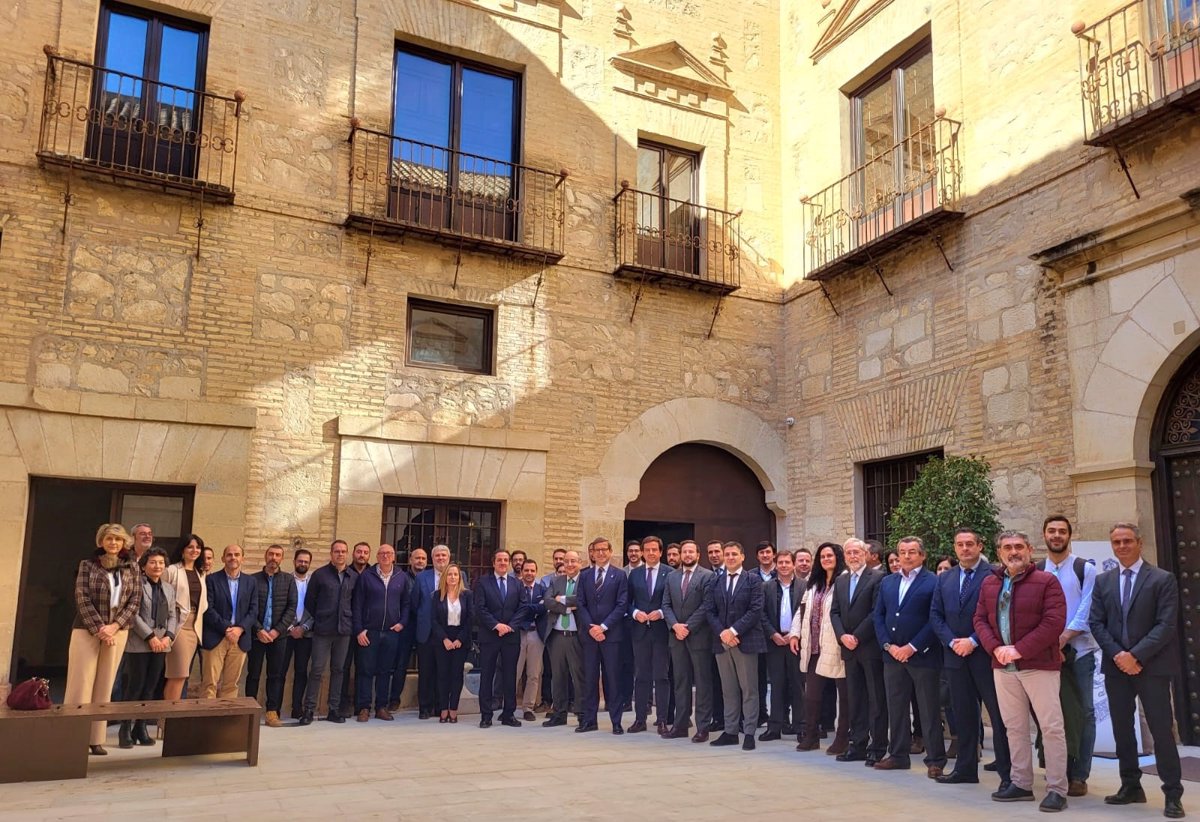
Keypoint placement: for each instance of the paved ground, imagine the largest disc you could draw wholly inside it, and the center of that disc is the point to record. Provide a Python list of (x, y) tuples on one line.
[(411, 769)]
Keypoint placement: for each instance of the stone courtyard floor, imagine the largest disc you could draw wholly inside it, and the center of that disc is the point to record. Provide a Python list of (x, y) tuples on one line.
[(409, 769)]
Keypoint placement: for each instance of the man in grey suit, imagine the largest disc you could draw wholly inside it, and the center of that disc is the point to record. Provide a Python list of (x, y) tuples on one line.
[(734, 606), (690, 642), (562, 641), (1134, 617)]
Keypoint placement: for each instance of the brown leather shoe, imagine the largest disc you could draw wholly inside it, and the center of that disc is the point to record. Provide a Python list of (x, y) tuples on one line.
[(839, 746), (272, 720), (1077, 787), (889, 763), (384, 714), (701, 736), (637, 727), (364, 715), (677, 733), (934, 771)]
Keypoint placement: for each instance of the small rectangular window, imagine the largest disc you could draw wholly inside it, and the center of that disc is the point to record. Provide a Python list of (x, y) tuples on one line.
[(456, 337), (884, 483)]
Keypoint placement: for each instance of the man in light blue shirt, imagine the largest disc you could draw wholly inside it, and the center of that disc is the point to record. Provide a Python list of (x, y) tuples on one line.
[(1077, 577)]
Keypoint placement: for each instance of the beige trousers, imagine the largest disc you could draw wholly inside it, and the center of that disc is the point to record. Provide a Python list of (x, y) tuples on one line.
[(1016, 692), (529, 663), (222, 668), (91, 671)]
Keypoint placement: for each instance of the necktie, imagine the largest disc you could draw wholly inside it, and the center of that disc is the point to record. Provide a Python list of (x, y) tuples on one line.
[(964, 591), (729, 587), (599, 578), (785, 609), (650, 581), (565, 620), (503, 587), (270, 592), (1126, 592), (687, 577), (853, 584)]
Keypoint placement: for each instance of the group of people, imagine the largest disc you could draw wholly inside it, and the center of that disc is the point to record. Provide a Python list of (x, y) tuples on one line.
[(847, 643)]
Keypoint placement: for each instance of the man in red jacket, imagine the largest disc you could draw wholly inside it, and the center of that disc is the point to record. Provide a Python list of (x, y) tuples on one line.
[(1020, 615)]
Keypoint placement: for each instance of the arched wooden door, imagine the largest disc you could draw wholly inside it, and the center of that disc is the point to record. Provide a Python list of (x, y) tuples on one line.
[(700, 492)]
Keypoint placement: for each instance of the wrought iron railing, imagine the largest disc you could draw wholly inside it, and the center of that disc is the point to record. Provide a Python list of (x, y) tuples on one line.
[(1141, 56), (690, 243), (454, 196), (915, 180), (128, 126)]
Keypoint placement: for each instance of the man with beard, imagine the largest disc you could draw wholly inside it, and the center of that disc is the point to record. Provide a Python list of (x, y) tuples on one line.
[(299, 640), (715, 551), (690, 643), (276, 614), (674, 559), (417, 560), (360, 561)]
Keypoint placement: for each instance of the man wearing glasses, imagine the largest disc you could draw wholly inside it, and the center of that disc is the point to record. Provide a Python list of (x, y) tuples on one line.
[(1021, 614)]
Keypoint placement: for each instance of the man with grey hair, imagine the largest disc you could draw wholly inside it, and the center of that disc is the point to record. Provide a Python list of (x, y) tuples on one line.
[(852, 616), (143, 538), (1019, 618), (425, 592)]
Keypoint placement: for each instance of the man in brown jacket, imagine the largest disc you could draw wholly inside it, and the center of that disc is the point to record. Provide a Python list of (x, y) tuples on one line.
[(1020, 615)]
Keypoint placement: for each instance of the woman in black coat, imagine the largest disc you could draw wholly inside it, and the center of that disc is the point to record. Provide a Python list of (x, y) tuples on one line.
[(451, 635)]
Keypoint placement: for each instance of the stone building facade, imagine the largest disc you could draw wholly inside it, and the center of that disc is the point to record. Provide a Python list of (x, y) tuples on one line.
[(243, 340)]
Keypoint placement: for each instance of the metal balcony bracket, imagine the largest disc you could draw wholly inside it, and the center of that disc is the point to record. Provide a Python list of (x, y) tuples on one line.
[(637, 296), (68, 200), (537, 289), (370, 253), (1120, 158), (878, 269), (937, 241), (829, 299), (199, 223), (457, 264), (716, 313)]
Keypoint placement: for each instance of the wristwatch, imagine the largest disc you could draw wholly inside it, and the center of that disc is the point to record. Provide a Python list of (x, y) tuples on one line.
[(887, 646)]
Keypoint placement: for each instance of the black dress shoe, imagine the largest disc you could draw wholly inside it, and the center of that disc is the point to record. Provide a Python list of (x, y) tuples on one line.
[(1012, 794), (618, 730), (485, 723), (336, 719), (851, 756), (637, 727), (716, 727), (1173, 809), (97, 750), (424, 714), (554, 722), (306, 718), (1126, 795), (870, 760), (1053, 803), (769, 736), (510, 722), (991, 767), (584, 727), (748, 742), (529, 716), (956, 778), (724, 739)]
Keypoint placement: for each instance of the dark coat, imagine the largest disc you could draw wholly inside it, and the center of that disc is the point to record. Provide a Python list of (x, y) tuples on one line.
[(283, 606), (1151, 622), (220, 616), (376, 607), (907, 623), (329, 601), (606, 606), (438, 617), (953, 615), (742, 612), (492, 608), (856, 616)]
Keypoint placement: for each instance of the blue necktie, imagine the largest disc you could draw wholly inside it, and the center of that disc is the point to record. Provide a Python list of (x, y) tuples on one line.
[(967, 575), (853, 584), (503, 587)]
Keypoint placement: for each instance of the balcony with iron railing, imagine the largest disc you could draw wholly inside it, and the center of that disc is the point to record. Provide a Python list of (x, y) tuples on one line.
[(124, 126), (1138, 66), (906, 191), (454, 198), (675, 242)]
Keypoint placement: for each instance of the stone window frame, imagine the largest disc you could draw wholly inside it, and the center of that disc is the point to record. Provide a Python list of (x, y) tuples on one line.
[(875, 509), (487, 358)]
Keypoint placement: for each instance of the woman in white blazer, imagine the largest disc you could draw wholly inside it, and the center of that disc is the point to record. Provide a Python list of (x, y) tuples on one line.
[(186, 576), (813, 636)]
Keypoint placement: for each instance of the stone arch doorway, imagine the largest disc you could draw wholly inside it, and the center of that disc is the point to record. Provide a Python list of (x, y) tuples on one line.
[(1175, 444), (701, 492)]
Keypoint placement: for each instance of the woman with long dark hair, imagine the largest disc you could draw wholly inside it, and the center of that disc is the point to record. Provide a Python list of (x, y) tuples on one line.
[(813, 637), (185, 574)]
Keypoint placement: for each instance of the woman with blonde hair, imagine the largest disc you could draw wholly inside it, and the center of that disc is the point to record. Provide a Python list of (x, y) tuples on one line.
[(186, 576), (450, 632), (108, 592)]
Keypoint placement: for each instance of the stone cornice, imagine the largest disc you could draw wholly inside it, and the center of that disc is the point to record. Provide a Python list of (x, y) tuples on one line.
[(124, 407), (401, 431)]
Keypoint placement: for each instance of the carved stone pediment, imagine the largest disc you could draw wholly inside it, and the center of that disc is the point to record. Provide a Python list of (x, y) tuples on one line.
[(845, 19), (670, 71)]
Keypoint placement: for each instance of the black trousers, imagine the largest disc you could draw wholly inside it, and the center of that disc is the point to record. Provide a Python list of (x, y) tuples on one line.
[(142, 672), (718, 698), (973, 683), (297, 654), (427, 677), (814, 698), (400, 672), (275, 654), (763, 674), (597, 657), (651, 659), (1155, 692), (349, 676), (547, 676), (902, 681), (449, 665), (499, 655), (627, 666), (867, 700), (787, 688)]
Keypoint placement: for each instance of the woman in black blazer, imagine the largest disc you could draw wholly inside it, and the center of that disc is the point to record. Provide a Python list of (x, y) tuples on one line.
[(451, 634)]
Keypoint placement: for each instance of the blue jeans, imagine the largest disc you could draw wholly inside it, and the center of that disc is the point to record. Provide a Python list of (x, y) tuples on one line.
[(376, 662), (1084, 671)]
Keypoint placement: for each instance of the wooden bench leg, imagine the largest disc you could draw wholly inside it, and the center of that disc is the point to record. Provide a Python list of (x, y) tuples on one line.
[(33, 750), (194, 736), (252, 731)]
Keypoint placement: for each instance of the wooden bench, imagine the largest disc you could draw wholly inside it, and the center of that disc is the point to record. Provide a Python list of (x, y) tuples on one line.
[(53, 744)]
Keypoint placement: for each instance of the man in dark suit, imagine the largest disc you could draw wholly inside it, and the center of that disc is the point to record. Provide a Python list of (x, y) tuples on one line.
[(1134, 614), (276, 613), (603, 598), (853, 616), (228, 622), (782, 594), (562, 641), (651, 654), (968, 665), (715, 551), (690, 642), (497, 602), (329, 615), (734, 606), (533, 630), (912, 659)]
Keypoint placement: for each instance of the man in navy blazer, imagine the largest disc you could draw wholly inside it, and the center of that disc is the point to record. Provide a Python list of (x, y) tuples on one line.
[(533, 628), (602, 599), (228, 625), (968, 665), (648, 626), (912, 658), (498, 609), (735, 607)]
